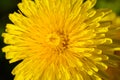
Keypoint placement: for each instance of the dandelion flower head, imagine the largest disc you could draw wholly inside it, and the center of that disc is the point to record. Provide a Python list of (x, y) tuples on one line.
[(59, 40)]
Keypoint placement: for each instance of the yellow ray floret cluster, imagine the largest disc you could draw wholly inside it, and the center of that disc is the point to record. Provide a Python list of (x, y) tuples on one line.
[(114, 33), (59, 40)]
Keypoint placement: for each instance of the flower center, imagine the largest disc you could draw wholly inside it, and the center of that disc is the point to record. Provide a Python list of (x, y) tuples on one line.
[(53, 39), (57, 42)]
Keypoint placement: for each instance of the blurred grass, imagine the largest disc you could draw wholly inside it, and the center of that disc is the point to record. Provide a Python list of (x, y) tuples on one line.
[(111, 4), (9, 6)]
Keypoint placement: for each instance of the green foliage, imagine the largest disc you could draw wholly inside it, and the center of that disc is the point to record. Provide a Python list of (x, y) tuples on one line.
[(111, 4)]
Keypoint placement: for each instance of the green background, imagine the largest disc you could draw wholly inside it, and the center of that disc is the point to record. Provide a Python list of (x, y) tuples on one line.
[(9, 6)]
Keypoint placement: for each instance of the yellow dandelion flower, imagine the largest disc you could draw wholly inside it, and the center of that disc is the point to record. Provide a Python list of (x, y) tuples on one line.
[(59, 40)]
